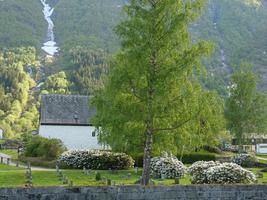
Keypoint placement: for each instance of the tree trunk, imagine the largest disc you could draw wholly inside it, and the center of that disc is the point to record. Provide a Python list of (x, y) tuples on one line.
[(147, 157)]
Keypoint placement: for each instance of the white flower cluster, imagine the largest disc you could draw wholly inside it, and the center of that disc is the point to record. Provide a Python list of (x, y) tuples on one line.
[(167, 166), (96, 159), (220, 173), (229, 173), (230, 147), (245, 160), (197, 169)]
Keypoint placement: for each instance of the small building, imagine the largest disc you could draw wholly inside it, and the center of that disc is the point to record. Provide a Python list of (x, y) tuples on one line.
[(68, 118), (255, 143), (261, 149)]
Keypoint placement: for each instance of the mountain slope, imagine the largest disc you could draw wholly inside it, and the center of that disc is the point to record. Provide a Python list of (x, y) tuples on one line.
[(237, 27), (239, 30), (87, 23), (22, 23)]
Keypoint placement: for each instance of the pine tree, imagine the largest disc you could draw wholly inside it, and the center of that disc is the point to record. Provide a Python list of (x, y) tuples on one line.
[(152, 91)]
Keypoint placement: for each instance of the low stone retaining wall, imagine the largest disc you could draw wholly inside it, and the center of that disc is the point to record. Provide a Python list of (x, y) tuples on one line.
[(194, 192)]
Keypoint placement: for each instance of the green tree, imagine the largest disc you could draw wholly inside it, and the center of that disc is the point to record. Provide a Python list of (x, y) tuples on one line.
[(151, 90), (57, 84), (246, 109)]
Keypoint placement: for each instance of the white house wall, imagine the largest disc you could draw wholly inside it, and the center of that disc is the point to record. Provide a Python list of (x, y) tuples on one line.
[(262, 148), (74, 137)]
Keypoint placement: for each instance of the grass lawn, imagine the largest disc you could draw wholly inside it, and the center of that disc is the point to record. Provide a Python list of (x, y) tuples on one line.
[(11, 152), (15, 177), (262, 155)]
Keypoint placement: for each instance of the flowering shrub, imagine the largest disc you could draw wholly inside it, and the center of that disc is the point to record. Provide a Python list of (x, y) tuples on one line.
[(219, 173), (229, 173), (230, 147), (96, 159), (245, 160), (167, 166), (197, 169)]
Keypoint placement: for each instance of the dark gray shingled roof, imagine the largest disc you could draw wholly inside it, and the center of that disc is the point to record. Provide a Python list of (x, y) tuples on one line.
[(65, 110)]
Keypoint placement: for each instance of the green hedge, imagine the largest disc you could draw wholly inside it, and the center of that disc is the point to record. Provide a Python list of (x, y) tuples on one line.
[(38, 162), (189, 158)]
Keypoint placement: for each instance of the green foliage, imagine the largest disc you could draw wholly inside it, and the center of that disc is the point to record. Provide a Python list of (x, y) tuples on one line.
[(56, 84), (152, 98), (38, 146), (190, 158), (88, 69), (18, 111), (166, 91), (87, 23), (246, 109), (238, 28), (38, 161), (22, 23), (98, 176)]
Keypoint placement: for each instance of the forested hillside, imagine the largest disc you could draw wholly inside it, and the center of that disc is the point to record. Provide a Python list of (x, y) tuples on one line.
[(238, 29), (22, 23), (18, 111), (87, 22)]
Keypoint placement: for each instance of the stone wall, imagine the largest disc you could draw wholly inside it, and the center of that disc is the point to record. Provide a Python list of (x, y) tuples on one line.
[(206, 192)]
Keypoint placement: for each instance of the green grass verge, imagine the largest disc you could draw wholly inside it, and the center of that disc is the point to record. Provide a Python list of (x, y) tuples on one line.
[(262, 155)]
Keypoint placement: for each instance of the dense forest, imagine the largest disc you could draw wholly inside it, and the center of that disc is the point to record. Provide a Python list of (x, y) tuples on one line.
[(237, 28), (22, 23), (18, 108)]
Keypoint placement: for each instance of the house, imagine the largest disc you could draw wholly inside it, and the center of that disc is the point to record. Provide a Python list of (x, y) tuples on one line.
[(68, 118), (256, 143)]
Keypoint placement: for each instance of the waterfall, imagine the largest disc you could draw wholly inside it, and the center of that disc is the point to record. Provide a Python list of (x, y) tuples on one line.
[(50, 46)]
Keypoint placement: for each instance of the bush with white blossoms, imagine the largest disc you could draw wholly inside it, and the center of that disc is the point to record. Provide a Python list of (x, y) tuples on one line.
[(167, 166), (197, 169), (245, 160), (229, 173), (220, 173), (95, 159)]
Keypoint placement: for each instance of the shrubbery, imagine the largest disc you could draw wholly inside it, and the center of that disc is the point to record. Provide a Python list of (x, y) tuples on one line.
[(229, 173), (167, 166), (197, 171), (96, 159), (217, 173), (190, 158), (38, 146), (245, 160)]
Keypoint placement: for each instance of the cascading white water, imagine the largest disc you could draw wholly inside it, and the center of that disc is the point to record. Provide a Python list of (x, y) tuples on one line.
[(50, 46)]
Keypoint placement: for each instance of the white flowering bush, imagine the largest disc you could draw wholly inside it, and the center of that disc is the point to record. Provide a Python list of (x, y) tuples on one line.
[(167, 166), (197, 169), (220, 173), (95, 159), (229, 173), (245, 160)]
